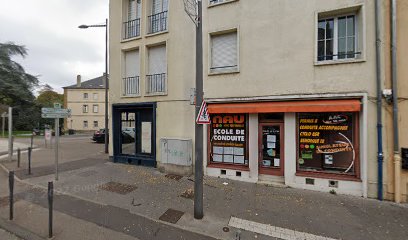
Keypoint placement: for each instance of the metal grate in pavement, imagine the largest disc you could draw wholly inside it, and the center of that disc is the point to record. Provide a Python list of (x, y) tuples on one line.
[(174, 177), (171, 216), (117, 187)]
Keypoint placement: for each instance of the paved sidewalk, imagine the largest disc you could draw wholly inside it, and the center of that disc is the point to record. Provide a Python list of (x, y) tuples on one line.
[(16, 145)]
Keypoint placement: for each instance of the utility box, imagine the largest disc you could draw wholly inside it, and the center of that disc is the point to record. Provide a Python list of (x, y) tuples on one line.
[(176, 156), (404, 158)]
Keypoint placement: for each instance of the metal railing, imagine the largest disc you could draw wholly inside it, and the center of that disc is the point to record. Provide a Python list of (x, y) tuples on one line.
[(156, 83), (157, 22), (131, 28), (131, 86)]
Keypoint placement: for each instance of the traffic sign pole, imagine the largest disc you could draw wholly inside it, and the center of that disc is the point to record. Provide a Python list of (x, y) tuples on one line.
[(56, 147)]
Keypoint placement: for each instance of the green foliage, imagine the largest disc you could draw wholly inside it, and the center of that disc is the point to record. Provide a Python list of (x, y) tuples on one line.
[(48, 97)]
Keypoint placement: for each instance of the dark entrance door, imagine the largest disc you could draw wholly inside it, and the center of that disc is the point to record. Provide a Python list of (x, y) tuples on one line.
[(134, 133), (271, 150)]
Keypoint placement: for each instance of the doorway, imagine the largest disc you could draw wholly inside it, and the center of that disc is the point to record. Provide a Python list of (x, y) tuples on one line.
[(271, 148)]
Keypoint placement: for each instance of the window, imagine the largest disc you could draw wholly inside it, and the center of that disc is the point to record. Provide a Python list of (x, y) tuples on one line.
[(158, 20), (337, 38), (229, 139), (131, 26), (85, 95), (157, 68), (224, 52), (85, 124), (131, 73), (95, 124), (95, 108), (95, 96), (327, 142), (85, 108)]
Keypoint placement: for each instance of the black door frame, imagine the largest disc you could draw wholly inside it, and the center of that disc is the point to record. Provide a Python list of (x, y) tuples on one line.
[(137, 159)]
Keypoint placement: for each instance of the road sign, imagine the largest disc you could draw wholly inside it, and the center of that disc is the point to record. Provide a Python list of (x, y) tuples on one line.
[(203, 116), (56, 115), (57, 105), (56, 110)]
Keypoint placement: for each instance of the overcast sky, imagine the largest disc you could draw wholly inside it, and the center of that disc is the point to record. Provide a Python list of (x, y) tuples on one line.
[(57, 49)]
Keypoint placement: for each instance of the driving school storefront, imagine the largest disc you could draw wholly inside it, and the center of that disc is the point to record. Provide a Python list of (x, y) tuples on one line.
[(312, 144)]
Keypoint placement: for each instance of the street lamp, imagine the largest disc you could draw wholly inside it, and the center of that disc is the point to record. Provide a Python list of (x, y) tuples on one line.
[(106, 78)]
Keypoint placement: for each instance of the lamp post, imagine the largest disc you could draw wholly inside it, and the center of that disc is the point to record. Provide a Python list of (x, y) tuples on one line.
[(106, 78)]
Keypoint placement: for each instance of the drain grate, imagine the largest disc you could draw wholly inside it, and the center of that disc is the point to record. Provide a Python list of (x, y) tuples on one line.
[(87, 173), (171, 216), (174, 177), (116, 187)]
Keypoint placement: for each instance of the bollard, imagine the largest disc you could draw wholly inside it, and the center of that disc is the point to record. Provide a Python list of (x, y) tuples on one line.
[(32, 139), (50, 203), (12, 148), (11, 196), (18, 157), (29, 161)]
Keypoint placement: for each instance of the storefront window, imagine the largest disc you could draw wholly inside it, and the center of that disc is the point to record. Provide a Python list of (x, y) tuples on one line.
[(229, 139), (326, 142)]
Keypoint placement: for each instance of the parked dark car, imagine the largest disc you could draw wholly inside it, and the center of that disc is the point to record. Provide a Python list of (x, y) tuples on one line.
[(99, 137)]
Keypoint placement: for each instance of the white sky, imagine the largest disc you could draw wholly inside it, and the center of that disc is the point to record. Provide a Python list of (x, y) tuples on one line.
[(57, 49)]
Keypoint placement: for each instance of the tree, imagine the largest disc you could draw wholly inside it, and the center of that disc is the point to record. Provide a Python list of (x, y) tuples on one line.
[(16, 87), (48, 97)]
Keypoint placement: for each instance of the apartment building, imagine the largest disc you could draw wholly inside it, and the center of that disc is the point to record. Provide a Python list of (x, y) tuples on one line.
[(151, 76), (87, 103), (290, 88)]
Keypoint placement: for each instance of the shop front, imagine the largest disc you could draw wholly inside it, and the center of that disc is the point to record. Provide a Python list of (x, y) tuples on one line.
[(134, 133), (310, 144)]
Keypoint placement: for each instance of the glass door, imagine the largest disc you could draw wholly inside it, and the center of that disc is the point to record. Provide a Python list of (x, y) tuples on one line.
[(271, 151)]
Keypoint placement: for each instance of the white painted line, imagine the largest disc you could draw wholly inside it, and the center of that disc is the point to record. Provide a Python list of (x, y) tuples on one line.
[(277, 232)]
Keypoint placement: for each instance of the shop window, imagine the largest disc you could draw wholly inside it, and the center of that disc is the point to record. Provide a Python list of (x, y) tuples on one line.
[(128, 133), (327, 142), (229, 139)]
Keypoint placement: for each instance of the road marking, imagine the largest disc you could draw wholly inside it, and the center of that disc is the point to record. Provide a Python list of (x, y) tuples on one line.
[(277, 232)]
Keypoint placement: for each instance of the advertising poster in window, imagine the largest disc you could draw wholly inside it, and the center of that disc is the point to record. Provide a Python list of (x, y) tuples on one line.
[(228, 134), (326, 143)]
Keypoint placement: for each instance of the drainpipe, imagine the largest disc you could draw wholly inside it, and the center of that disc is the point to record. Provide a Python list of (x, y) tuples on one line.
[(380, 155), (397, 157)]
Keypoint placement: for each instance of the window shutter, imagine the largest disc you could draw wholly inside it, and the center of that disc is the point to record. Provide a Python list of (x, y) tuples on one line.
[(138, 9), (132, 66), (157, 60), (156, 6), (224, 51), (132, 10)]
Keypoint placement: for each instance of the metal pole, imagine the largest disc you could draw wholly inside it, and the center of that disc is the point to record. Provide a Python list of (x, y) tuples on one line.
[(11, 196), (198, 173), (32, 139), (18, 157), (56, 147), (10, 131), (106, 90), (3, 118), (29, 161), (50, 207)]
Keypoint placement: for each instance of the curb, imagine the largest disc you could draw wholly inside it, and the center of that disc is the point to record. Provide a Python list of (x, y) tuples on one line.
[(19, 231)]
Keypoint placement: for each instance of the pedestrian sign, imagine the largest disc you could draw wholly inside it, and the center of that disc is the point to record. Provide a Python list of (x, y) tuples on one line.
[(203, 116)]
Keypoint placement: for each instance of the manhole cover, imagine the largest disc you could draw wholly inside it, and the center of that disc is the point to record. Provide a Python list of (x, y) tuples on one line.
[(87, 173), (116, 187), (171, 216), (174, 177)]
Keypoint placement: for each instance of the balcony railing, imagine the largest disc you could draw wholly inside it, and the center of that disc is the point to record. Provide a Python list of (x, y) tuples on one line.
[(131, 28), (157, 22), (131, 86), (156, 83)]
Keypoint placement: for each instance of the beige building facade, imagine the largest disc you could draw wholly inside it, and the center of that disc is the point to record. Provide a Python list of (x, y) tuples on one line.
[(87, 103), (291, 97)]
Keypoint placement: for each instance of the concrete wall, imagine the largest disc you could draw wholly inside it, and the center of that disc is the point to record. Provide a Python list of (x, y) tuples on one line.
[(175, 115), (75, 101)]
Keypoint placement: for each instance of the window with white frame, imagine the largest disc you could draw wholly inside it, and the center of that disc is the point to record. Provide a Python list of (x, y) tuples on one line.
[(158, 19), (131, 24), (95, 96), (85, 124), (224, 52), (337, 38), (157, 68), (95, 124), (131, 73), (85, 95), (85, 108), (95, 108)]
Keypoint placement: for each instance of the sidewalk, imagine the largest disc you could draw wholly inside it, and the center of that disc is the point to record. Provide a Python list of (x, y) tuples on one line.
[(17, 144), (105, 198)]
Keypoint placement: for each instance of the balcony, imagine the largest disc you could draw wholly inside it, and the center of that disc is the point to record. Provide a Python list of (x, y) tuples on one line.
[(157, 22), (131, 29), (156, 83), (131, 86)]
